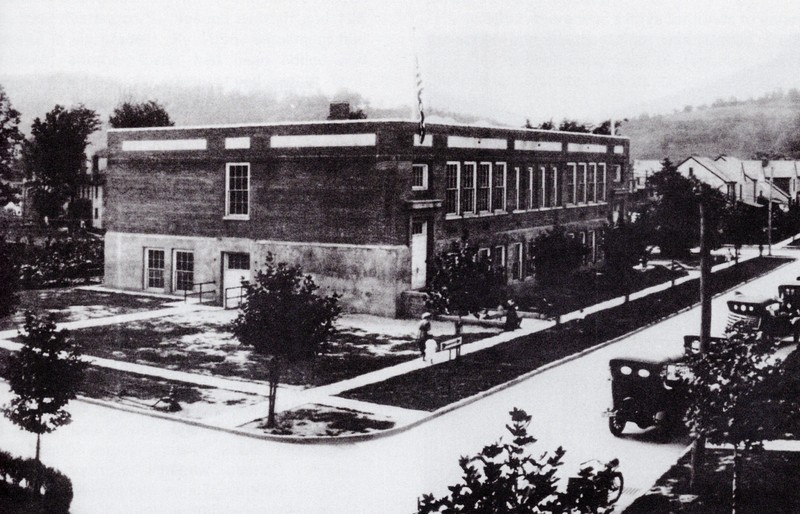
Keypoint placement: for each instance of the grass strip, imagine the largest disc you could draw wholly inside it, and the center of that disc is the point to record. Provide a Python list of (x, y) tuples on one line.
[(769, 483), (434, 387)]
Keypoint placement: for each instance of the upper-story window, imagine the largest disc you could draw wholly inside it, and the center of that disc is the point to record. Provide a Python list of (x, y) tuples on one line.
[(482, 203), (591, 183), (570, 179), (517, 189), (452, 177), (533, 198), (499, 187), (237, 190), (419, 177), (543, 187), (601, 182), (618, 172), (581, 183), (468, 181)]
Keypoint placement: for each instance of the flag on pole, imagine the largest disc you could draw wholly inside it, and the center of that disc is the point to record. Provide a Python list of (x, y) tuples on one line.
[(419, 104)]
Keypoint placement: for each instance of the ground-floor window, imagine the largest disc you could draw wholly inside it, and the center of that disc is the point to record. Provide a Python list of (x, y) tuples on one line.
[(184, 270), (517, 272), (154, 272), (240, 261)]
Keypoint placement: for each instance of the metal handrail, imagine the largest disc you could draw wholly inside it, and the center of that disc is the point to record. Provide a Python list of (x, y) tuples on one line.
[(228, 297), (187, 293)]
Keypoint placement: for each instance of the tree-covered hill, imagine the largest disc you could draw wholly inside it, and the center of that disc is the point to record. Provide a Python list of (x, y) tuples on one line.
[(769, 124)]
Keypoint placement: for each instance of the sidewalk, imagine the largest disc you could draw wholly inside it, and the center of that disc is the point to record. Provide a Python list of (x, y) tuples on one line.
[(294, 396)]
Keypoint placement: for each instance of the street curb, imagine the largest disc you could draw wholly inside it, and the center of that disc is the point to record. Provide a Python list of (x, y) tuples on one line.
[(354, 438)]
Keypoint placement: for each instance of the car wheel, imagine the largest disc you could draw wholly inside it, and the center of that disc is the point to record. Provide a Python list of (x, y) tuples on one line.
[(616, 424)]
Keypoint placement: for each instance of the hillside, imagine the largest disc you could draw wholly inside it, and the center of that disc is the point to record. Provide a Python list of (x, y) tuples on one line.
[(741, 129)]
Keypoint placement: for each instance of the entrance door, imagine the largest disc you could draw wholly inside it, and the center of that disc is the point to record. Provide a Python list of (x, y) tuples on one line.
[(236, 268), (419, 253)]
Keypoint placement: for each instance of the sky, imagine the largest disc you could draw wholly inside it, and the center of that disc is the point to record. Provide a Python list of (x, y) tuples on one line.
[(510, 59)]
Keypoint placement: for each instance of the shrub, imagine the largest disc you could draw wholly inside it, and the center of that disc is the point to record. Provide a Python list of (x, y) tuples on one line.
[(50, 490)]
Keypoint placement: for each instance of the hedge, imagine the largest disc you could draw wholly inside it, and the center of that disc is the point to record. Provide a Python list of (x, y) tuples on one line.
[(54, 494)]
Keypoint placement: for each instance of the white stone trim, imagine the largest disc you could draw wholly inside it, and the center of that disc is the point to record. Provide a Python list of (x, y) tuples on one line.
[(428, 142), (541, 146), (163, 145), (237, 143), (586, 148), (477, 142), (323, 140)]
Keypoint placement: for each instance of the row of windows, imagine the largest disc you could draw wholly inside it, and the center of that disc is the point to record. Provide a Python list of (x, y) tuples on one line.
[(521, 262), (485, 187), (182, 272)]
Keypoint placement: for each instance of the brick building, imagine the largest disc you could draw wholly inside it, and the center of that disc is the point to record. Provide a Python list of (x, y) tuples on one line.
[(362, 205)]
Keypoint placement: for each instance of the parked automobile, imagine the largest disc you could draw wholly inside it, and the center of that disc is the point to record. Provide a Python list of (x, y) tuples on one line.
[(775, 317), (647, 392)]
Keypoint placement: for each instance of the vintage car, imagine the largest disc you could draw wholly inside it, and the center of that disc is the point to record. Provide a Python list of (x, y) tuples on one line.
[(774, 317), (647, 392)]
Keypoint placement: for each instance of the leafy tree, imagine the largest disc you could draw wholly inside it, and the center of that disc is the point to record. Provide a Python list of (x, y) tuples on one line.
[(55, 156), (10, 135), (742, 224), (605, 127), (285, 318), (507, 478), (44, 376), (8, 277), (138, 115), (547, 125), (727, 404), (574, 126), (463, 283), (625, 246), (557, 255), (8, 194)]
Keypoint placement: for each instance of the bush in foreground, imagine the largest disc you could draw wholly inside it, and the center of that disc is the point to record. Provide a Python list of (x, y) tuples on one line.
[(43, 489)]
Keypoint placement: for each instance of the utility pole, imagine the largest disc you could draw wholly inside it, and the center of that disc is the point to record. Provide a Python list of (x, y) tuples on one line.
[(699, 444), (769, 211)]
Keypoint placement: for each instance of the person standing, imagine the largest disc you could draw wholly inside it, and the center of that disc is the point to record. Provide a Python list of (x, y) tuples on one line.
[(423, 333), (512, 318)]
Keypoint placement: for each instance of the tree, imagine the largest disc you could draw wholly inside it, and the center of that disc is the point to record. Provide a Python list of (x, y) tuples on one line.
[(138, 115), (463, 282), (44, 376), (726, 392), (574, 126), (284, 317), (556, 255), (55, 156), (605, 127), (742, 224), (10, 135), (507, 478), (8, 277), (625, 246)]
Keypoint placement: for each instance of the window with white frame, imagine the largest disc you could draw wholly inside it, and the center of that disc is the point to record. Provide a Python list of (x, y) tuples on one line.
[(484, 187), (543, 186), (552, 183), (570, 180), (499, 256), (601, 182), (585, 258), (593, 242), (154, 268), (533, 198), (452, 178), (237, 190), (517, 273), (499, 187), (468, 181), (618, 172), (530, 269), (419, 177), (517, 194), (183, 264), (591, 183), (581, 183), (483, 254)]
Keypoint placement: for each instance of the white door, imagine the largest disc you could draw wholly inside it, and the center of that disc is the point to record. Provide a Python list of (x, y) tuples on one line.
[(419, 253), (236, 269)]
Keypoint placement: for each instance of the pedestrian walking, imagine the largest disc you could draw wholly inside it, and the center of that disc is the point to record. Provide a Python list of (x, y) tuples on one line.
[(423, 333)]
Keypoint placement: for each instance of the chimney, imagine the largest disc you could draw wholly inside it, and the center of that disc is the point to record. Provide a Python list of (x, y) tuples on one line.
[(339, 111)]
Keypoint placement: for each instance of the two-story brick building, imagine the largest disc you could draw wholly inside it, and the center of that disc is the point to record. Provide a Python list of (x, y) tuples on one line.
[(362, 205)]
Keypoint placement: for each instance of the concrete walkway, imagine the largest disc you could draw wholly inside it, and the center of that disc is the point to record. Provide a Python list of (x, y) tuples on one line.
[(292, 396)]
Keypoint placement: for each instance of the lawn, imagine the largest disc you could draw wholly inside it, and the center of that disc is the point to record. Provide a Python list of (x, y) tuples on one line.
[(203, 343), (72, 304), (769, 483), (321, 420), (434, 387)]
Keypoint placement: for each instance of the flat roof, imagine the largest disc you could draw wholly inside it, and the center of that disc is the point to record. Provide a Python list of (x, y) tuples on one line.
[(342, 122)]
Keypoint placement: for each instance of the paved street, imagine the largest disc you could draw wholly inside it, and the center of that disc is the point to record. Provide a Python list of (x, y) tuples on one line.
[(123, 462)]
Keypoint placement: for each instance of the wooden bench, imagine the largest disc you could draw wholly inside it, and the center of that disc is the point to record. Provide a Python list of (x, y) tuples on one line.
[(450, 345)]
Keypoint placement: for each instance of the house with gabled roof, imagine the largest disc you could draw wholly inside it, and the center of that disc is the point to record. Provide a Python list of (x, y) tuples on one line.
[(755, 178)]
